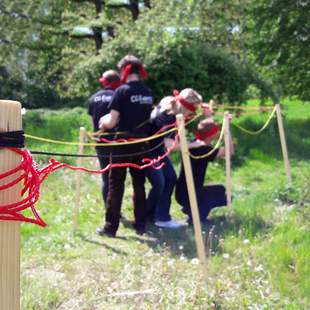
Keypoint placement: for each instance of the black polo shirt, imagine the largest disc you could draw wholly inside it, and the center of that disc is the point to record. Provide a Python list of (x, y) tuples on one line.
[(134, 103), (99, 105)]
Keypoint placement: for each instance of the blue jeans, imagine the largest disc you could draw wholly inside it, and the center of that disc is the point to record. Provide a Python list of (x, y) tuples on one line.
[(159, 198)]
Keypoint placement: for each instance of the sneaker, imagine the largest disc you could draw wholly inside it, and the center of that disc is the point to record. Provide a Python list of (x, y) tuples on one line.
[(168, 224), (102, 232)]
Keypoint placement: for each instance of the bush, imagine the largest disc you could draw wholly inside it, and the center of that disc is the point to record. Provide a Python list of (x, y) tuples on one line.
[(176, 60)]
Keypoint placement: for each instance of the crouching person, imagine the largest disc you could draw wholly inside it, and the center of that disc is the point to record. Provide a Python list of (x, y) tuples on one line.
[(208, 196)]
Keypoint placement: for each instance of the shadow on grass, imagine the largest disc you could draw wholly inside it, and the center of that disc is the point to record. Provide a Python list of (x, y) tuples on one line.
[(181, 241), (103, 244)]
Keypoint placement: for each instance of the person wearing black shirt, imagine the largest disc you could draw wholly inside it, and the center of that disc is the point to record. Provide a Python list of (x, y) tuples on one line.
[(130, 111), (164, 179), (99, 105), (210, 196)]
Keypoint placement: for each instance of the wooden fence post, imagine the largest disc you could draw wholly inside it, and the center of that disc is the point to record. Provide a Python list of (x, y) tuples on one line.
[(192, 196), (227, 158), (10, 120), (283, 143), (78, 180)]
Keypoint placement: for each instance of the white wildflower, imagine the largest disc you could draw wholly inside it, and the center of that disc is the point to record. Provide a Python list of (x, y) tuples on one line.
[(67, 246), (195, 261), (259, 268)]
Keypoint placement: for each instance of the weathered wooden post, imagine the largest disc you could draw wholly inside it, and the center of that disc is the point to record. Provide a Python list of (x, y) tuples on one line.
[(283, 143), (10, 120), (227, 157), (78, 180), (192, 196)]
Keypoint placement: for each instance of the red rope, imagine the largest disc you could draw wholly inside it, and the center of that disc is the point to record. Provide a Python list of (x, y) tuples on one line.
[(33, 177)]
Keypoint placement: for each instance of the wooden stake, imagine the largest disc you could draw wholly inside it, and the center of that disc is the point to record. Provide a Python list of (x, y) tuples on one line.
[(10, 120), (78, 180), (211, 104), (192, 196), (283, 143), (227, 158)]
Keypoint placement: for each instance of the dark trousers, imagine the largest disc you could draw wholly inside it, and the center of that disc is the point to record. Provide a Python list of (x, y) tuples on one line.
[(104, 161), (117, 178), (208, 197)]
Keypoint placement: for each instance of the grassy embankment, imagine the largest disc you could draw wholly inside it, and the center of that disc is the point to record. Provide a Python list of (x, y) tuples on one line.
[(259, 251)]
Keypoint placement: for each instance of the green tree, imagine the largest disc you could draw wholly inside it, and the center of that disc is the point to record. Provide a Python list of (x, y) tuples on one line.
[(279, 37), (58, 49), (32, 48)]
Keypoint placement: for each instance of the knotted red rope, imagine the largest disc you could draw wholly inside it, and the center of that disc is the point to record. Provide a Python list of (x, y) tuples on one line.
[(33, 177)]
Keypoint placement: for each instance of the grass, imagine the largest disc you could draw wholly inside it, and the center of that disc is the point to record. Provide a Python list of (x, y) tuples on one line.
[(258, 251)]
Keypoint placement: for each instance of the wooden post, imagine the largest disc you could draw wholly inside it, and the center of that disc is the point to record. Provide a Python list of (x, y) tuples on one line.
[(10, 120), (192, 196), (283, 143), (78, 180), (227, 157), (211, 104)]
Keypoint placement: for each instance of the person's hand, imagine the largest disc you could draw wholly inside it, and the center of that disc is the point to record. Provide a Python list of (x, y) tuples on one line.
[(100, 123), (206, 110), (230, 116)]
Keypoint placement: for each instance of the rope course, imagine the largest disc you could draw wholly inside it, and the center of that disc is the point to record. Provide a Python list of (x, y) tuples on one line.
[(259, 130), (114, 142), (17, 167), (162, 132), (98, 155), (32, 177)]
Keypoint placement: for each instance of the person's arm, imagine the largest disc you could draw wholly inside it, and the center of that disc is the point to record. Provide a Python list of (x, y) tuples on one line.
[(109, 121), (169, 142), (191, 145)]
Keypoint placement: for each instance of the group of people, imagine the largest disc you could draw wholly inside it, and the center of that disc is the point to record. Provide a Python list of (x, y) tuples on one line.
[(124, 108)]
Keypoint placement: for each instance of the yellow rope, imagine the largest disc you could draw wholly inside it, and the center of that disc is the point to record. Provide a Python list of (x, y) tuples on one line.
[(101, 144), (111, 143), (91, 135), (259, 130), (214, 148), (222, 106), (104, 133)]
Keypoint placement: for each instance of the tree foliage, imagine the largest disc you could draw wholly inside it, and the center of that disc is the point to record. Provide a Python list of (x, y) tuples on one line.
[(280, 38), (58, 49)]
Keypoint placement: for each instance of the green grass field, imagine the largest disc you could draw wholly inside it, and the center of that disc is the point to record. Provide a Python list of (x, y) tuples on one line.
[(258, 251)]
